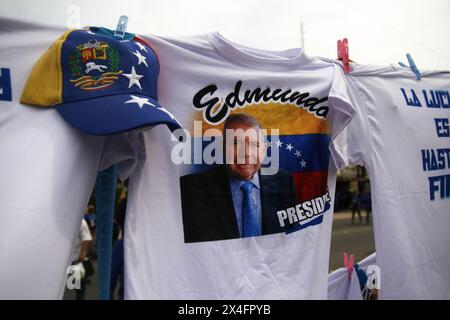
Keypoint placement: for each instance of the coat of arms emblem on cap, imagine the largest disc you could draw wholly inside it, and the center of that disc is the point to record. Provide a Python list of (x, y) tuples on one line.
[(94, 65)]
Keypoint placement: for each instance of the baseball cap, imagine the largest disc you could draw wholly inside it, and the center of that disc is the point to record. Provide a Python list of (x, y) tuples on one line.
[(99, 84)]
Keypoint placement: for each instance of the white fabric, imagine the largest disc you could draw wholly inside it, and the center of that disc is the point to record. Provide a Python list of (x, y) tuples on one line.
[(338, 284), (47, 170), (368, 261), (340, 287), (158, 264), (83, 235), (386, 136)]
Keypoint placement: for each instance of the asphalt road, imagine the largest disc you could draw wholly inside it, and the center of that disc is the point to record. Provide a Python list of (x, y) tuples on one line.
[(356, 239)]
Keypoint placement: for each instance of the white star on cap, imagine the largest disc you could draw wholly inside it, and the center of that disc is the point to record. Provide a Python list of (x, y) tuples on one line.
[(141, 46), (141, 58), (289, 147), (142, 101), (170, 115), (139, 101), (133, 77)]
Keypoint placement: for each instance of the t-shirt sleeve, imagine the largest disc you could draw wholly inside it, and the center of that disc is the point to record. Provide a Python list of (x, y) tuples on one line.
[(352, 144), (341, 114), (124, 150)]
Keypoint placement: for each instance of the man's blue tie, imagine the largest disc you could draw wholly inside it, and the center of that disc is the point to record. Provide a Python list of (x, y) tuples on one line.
[(250, 225)]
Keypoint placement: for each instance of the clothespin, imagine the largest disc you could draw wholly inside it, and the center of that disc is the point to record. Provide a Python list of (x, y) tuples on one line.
[(121, 28), (348, 264), (412, 65), (342, 51)]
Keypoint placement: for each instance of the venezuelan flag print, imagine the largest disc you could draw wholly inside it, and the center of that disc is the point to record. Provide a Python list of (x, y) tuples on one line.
[(302, 144)]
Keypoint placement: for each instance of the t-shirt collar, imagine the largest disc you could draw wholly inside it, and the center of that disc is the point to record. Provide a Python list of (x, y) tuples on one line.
[(256, 58)]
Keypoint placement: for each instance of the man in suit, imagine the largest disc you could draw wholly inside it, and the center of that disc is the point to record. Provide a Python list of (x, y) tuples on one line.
[(234, 200)]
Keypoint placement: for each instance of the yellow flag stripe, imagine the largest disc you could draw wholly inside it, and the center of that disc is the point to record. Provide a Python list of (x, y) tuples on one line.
[(287, 118)]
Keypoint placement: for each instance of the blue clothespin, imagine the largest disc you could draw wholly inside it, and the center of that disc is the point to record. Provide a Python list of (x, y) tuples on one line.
[(412, 65), (121, 28)]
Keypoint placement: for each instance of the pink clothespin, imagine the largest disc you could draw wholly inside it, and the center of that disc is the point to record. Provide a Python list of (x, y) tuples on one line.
[(342, 50), (348, 264)]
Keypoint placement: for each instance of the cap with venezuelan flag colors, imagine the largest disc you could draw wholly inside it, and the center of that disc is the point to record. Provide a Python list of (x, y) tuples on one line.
[(99, 84)]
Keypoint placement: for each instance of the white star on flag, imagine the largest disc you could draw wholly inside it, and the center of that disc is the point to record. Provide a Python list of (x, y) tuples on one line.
[(141, 58), (298, 153), (289, 147), (139, 101), (141, 46), (303, 163), (278, 143), (133, 77)]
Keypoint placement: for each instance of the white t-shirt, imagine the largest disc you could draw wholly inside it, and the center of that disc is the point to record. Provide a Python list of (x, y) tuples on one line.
[(47, 170), (183, 240), (401, 135), (83, 235)]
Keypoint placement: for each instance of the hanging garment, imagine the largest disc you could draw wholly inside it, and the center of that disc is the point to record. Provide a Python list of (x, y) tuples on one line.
[(401, 135), (185, 232), (47, 170)]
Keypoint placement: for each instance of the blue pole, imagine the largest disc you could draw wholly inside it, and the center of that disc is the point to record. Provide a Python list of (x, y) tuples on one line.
[(105, 192)]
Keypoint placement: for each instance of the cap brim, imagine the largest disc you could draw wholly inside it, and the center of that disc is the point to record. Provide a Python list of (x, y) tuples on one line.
[(115, 114)]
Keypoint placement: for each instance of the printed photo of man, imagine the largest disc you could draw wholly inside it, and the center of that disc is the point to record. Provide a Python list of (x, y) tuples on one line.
[(234, 200)]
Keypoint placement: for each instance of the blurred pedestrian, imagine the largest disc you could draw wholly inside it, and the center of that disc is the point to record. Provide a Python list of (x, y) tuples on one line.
[(89, 216), (367, 201), (117, 260), (80, 255), (356, 207)]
